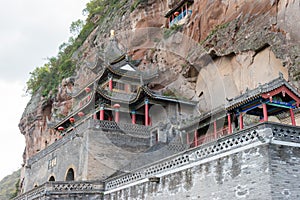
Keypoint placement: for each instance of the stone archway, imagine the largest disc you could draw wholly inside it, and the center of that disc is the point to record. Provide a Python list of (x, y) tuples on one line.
[(52, 178), (70, 175)]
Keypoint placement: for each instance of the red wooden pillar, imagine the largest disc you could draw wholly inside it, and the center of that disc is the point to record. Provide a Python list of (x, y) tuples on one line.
[(265, 112), (195, 138), (101, 113), (215, 129), (146, 112), (95, 116), (187, 138), (229, 123), (292, 117), (117, 115), (241, 121), (110, 84), (127, 88), (133, 117)]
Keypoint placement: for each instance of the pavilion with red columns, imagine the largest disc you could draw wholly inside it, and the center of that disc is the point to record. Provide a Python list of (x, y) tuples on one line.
[(270, 99), (274, 98), (120, 93)]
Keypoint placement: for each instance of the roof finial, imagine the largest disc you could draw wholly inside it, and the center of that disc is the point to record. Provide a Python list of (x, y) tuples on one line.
[(280, 75)]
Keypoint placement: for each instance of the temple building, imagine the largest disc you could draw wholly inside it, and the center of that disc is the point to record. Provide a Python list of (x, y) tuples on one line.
[(267, 102), (120, 94), (122, 140), (180, 13)]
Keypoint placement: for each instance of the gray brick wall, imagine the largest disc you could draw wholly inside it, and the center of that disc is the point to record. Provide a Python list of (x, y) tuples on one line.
[(285, 170), (110, 152), (243, 175), (72, 154), (93, 156)]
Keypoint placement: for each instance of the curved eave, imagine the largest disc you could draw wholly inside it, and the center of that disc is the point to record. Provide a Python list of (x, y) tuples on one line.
[(130, 101), (131, 76), (147, 92), (242, 102), (292, 89), (122, 57), (75, 112)]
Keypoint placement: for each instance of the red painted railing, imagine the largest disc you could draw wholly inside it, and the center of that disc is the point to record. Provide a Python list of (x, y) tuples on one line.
[(209, 137)]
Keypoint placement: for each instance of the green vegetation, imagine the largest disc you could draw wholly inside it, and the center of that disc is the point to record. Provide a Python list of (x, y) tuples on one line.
[(172, 93), (50, 75), (9, 186), (215, 30), (136, 3), (170, 31)]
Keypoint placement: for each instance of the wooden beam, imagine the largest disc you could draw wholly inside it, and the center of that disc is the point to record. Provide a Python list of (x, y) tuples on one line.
[(284, 90)]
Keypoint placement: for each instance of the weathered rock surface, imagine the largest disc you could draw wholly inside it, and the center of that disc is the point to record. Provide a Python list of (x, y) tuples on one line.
[(230, 76)]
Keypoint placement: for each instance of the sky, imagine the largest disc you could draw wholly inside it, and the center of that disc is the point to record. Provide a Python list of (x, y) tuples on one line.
[(30, 32)]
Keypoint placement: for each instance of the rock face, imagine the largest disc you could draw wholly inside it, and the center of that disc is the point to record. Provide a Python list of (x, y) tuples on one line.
[(243, 43), (234, 74)]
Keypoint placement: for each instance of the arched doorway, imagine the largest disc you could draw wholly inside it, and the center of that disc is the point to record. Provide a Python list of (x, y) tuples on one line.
[(70, 175), (52, 178)]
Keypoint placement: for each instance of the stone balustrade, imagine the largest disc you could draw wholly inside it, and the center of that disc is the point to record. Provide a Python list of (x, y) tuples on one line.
[(133, 130), (257, 134), (283, 132), (63, 188), (241, 138)]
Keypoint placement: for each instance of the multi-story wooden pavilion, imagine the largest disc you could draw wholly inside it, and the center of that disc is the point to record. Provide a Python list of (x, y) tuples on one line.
[(120, 93)]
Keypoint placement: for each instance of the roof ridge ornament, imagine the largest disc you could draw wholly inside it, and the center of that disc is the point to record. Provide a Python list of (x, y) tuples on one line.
[(280, 75), (260, 87)]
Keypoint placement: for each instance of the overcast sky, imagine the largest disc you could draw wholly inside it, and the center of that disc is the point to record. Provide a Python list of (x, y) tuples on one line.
[(30, 31)]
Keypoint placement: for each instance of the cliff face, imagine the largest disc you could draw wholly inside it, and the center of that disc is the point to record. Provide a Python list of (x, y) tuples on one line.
[(223, 48)]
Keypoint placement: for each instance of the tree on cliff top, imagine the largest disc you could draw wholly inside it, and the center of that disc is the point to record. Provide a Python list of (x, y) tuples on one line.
[(50, 75)]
